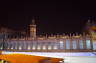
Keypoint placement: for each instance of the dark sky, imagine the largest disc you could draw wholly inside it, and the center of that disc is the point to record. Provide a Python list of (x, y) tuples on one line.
[(51, 17)]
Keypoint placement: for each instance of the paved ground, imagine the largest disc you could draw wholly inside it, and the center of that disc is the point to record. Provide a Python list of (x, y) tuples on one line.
[(80, 59), (86, 57)]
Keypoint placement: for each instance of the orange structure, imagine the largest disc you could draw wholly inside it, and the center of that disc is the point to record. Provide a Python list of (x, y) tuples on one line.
[(22, 58)]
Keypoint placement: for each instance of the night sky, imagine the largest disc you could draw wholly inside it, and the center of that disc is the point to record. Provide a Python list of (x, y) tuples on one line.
[(51, 17)]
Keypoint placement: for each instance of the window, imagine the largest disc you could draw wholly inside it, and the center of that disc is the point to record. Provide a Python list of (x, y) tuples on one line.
[(34, 45), (25, 45), (29, 47), (20, 47), (1, 46), (15, 46), (39, 46), (81, 44), (49, 46), (61, 44), (88, 44), (55, 46), (74, 44), (67, 44), (12, 45), (44, 47)]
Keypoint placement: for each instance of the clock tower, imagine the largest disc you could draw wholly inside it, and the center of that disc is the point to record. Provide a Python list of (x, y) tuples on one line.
[(33, 29)]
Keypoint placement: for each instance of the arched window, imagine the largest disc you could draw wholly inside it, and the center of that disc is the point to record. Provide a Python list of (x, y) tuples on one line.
[(29, 46), (12, 45), (1, 48), (88, 46), (15, 45), (39, 46), (74, 44), (20, 45), (61, 44), (67, 44), (25, 45), (34, 45), (81, 44), (55, 45), (44, 47), (1, 45), (49, 46)]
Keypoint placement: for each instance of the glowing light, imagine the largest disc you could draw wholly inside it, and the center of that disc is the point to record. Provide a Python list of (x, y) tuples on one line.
[(44, 47), (55, 47), (88, 44), (33, 47), (38, 47), (61, 44), (8, 48), (15, 47), (49, 47), (1, 48), (12, 48), (20, 48), (29, 47)]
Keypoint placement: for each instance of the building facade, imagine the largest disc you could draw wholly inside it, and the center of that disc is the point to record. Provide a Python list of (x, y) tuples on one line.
[(54, 43)]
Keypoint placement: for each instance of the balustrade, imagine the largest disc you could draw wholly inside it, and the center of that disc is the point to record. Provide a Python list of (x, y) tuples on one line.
[(61, 45)]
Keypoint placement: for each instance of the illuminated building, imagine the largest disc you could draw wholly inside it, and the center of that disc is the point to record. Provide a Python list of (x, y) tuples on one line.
[(54, 43)]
